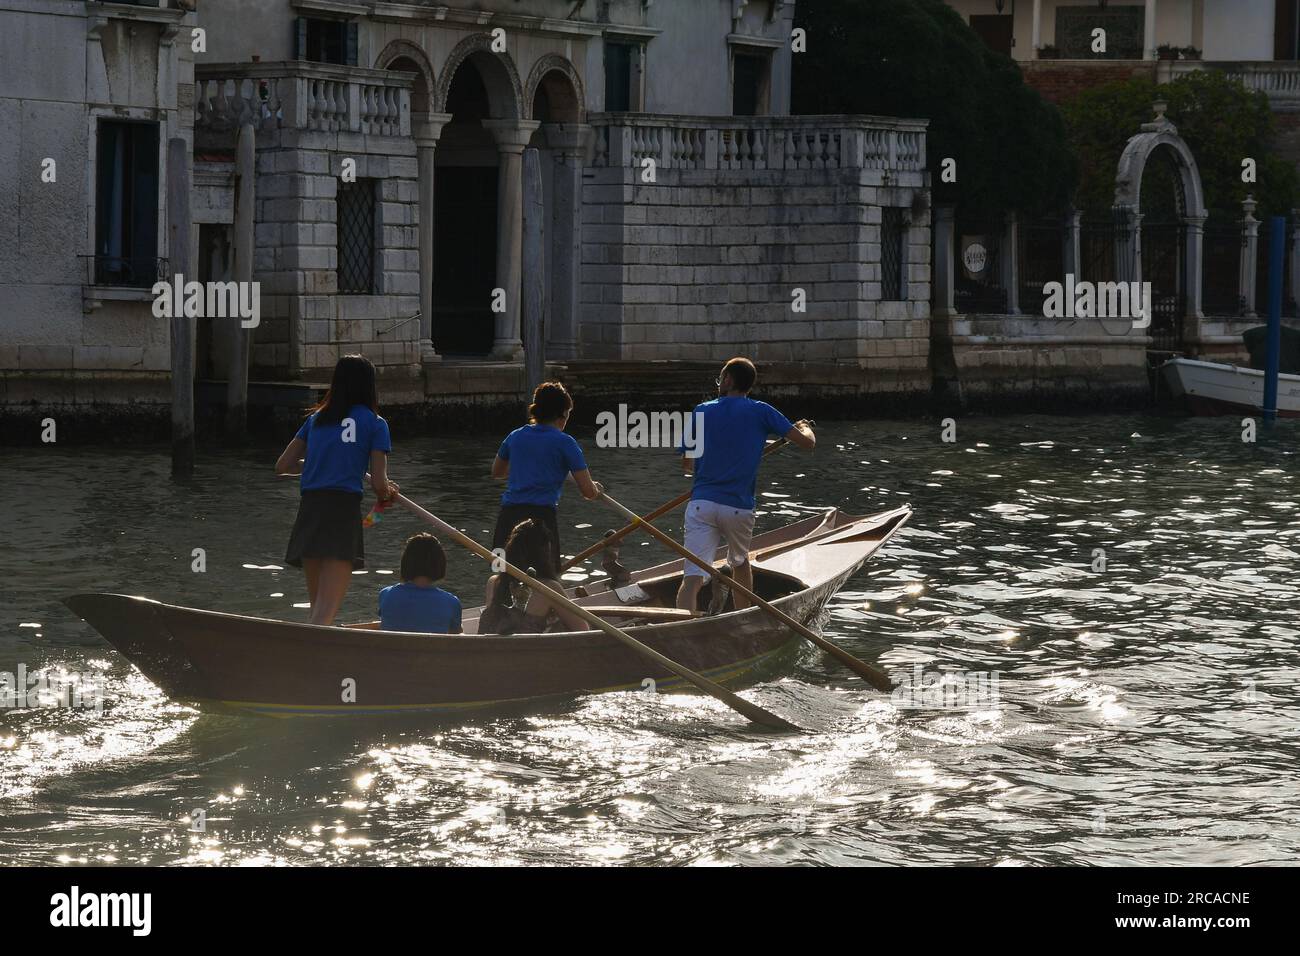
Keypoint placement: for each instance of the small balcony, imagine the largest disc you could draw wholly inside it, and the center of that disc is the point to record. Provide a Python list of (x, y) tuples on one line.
[(301, 96)]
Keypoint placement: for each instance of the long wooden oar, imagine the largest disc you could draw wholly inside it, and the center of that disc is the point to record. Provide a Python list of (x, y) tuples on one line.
[(737, 703), (659, 512), (868, 672)]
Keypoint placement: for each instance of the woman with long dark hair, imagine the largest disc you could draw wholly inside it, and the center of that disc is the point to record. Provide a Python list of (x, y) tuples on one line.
[(513, 608), (341, 439), (535, 460)]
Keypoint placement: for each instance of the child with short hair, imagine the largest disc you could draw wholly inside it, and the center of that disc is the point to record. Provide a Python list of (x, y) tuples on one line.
[(417, 604)]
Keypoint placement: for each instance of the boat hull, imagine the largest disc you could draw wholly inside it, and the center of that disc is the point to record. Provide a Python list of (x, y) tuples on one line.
[(290, 669), (1213, 388)]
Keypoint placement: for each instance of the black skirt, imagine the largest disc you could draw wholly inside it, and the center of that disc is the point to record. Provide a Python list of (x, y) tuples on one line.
[(328, 528)]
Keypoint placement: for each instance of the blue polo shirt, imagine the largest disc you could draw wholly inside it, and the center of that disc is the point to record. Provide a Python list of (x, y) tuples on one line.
[(541, 457), (733, 431), (333, 464), (409, 607)]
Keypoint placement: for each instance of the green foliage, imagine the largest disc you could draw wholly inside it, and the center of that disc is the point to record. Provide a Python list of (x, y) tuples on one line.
[(1222, 123), (919, 58)]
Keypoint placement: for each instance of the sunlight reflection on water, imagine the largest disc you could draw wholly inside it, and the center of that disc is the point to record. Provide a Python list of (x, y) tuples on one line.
[(1145, 713)]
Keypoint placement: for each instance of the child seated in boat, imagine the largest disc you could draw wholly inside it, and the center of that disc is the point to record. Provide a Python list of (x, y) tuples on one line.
[(418, 604), (524, 611)]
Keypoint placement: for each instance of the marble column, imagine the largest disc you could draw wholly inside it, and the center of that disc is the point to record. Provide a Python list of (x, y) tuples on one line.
[(1195, 274), (944, 261), (1149, 31), (568, 141), (1010, 256), (425, 130), (512, 137), (1249, 257), (1037, 35), (1073, 256)]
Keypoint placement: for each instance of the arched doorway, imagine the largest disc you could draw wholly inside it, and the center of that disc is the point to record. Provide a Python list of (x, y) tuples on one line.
[(471, 187), (1157, 177)]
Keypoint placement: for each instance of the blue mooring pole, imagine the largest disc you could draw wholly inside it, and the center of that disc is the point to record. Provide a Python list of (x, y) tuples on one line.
[(1276, 252)]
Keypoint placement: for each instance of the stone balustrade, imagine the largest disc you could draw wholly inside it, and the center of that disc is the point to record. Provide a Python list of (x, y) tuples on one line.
[(1277, 79), (759, 142), (303, 96)]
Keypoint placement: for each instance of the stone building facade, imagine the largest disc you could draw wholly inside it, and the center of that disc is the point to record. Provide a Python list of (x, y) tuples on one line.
[(90, 95), (685, 216)]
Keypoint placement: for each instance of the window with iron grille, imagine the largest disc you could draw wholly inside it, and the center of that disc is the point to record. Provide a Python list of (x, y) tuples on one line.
[(356, 236), (1124, 26), (892, 231)]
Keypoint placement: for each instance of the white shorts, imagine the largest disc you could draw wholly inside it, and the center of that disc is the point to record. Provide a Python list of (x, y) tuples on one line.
[(709, 524)]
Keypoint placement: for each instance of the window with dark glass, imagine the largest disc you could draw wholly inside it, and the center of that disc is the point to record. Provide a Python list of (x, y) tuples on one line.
[(892, 232), (749, 84), (126, 204), (356, 236), (325, 41), (621, 60)]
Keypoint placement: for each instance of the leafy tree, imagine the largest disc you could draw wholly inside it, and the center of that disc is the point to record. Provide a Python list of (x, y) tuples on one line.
[(919, 58), (1222, 123)]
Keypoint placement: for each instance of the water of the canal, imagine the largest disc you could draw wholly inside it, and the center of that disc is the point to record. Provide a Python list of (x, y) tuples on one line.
[(1146, 713)]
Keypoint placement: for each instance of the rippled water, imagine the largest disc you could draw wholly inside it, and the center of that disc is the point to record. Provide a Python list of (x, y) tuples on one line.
[(1146, 713)]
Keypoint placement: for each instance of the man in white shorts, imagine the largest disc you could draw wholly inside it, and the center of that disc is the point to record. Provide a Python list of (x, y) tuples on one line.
[(733, 430)]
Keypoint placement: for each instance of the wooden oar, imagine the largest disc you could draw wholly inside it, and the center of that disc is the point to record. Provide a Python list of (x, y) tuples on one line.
[(868, 672), (659, 512), (737, 703)]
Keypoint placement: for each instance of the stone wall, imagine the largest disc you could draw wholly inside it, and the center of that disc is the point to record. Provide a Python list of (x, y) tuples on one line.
[(63, 68), (306, 324), (703, 264), (1003, 360)]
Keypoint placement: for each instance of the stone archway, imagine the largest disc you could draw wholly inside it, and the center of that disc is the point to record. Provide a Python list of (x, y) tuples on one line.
[(555, 81), (480, 172), (1161, 134), (498, 71)]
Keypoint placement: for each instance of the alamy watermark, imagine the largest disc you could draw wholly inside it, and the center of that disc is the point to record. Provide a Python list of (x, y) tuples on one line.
[(208, 300), (68, 689), (1098, 300), (624, 429), (945, 690)]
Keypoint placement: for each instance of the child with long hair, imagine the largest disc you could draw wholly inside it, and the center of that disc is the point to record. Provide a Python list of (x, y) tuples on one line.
[(535, 460), (341, 439), (529, 546)]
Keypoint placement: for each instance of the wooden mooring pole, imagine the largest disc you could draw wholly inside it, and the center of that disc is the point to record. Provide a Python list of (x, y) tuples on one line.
[(182, 327), (237, 376)]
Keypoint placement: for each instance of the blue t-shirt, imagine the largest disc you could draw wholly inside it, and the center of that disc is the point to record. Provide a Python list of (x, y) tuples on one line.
[(733, 431), (409, 607), (334, 464), (541, 457)]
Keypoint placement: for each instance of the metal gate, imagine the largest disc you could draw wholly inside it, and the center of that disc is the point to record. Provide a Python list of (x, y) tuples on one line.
[(1164, 265)]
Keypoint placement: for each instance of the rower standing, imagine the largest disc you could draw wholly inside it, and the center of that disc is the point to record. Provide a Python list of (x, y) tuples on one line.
[(732, 432), (535, 460), (341, 438)]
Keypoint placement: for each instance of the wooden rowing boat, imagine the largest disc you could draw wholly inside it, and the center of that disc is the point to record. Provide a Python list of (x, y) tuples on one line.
[(289, 669)]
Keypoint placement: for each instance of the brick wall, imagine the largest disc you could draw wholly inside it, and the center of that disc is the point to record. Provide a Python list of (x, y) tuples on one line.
[(703, 264), (1061, 80)]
